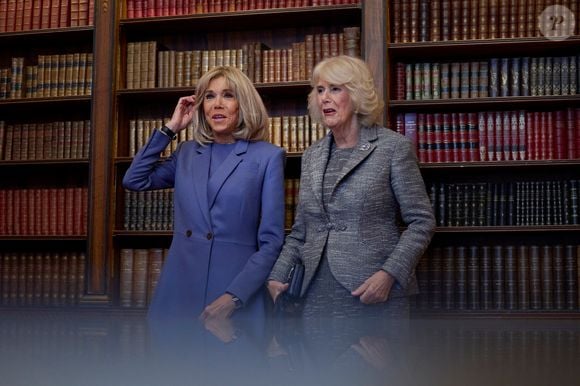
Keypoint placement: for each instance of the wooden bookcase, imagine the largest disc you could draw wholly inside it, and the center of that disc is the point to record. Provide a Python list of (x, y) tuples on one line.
[(44, 169), (111, 105), (276, 28), (523, 261)]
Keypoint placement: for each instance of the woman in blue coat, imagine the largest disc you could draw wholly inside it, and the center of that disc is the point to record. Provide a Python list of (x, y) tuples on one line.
[(228, 200)]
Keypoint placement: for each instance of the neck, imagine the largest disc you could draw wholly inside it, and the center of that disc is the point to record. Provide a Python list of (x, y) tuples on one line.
[(224, 141), (346, 136)]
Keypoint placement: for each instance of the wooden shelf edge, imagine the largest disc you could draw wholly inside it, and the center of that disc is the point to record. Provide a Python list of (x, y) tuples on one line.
[(511, 229), (497, 164), (498, 42), (216, 16), (124, 233), (46, 100), (495, 314), (32, 238), (299, 84), (47, 32), (509, 100), (55, 162)]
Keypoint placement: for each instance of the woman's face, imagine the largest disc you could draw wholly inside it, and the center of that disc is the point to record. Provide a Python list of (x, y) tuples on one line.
[(221, 110), (335, 105)]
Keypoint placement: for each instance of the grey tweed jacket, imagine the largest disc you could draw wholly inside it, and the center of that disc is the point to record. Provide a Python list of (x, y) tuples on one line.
[(379, 185)]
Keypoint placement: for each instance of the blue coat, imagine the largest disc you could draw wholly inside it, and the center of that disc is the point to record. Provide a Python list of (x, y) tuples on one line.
[(220, 243)]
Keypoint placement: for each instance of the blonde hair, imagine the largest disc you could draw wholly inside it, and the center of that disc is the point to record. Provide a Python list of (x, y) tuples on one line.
[(252, 114), (356, 77)]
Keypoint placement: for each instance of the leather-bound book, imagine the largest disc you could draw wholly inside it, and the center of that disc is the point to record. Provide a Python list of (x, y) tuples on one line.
[(511, 282), (559, 278), (473, 280), (448, 278), (498, 278), (486, 278), (139, 285), (535, 278), (154, 271), (523, 267), (547, 273), (571, 275), (436, 278), (460, 278)]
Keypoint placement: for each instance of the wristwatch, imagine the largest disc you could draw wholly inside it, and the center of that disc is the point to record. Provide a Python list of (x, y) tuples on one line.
[(168, 132), (237, 302)]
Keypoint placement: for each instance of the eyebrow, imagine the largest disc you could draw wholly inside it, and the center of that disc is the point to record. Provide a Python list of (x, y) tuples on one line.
[(224, 90)]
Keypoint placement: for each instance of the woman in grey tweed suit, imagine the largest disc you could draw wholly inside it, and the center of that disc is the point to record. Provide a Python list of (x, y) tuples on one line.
[(356, 184)]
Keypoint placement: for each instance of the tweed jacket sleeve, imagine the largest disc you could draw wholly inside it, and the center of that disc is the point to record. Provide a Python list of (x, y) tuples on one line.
[(415, 209)]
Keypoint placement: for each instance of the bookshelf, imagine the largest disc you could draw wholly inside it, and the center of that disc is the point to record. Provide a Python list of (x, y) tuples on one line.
[(45, 139), (104, 111), (144, 100), (494, 112)]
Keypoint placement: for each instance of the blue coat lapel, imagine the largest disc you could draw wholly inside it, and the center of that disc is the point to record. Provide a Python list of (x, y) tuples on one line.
[(200, 177), (225, 170)]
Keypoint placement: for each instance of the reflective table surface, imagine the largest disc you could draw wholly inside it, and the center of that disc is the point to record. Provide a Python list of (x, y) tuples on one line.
[(43, 347)]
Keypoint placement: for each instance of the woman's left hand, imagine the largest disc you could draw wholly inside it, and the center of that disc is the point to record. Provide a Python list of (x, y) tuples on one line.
[(222, 307), (376, 288)]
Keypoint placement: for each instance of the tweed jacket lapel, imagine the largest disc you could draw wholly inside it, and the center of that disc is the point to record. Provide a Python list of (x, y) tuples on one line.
[(225, 170), (362, 150), (319, 160)]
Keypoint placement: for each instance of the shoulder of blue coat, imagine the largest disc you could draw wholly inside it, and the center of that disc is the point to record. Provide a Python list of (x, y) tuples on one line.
[(264, 147)]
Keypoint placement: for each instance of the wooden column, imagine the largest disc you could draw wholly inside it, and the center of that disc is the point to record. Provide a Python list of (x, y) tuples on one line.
[(99, 240), (374, 43)]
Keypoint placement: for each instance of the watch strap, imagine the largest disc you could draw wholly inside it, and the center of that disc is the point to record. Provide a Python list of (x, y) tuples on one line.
[(168, 132), (237, 301)]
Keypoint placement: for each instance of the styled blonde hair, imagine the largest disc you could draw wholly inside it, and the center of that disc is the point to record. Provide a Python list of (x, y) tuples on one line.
[(356, 77), (253, 117)]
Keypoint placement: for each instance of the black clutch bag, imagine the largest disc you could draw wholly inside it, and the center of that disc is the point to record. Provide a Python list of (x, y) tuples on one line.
[(289, 303), (295, 278)]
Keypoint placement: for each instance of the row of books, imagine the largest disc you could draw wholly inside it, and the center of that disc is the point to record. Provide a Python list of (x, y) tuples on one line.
[(497, 77), (148, 211), (43, 211), (25, 15), (139, 274), (262, 64), (520, 203), (441, 20), (499, 278), (493, 135), (153, 210), (42, 278), (154, 8), (45, 140), (54, 75), (295, 133)]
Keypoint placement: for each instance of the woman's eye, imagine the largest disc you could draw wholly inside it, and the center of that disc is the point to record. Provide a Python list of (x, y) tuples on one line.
[(320, 90), (229, 95), (335, 89), (209, 96)]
